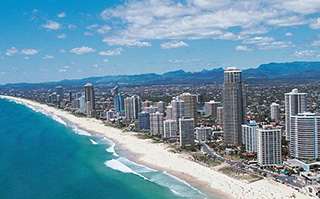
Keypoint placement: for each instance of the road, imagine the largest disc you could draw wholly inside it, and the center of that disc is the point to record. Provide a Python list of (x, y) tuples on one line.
[(291, 180)]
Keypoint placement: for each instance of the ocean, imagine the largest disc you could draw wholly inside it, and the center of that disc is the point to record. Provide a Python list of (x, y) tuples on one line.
[(43, 156)]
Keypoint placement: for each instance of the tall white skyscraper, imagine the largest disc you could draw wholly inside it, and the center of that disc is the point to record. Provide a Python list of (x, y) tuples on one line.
[(89, 99), (275, 111), (295, 103), (178, 109), (250, 136), (170, 128), (269, 146), (234, 106), (156, 123), (161, 107), (186, 131), (132, 107), (305, 136), (169, 114)]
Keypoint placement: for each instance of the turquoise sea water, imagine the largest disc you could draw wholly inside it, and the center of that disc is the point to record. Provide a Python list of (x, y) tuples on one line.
[(42, 156)]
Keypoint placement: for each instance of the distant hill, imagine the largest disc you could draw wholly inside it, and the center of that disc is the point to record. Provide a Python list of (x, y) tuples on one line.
[(290, 72)]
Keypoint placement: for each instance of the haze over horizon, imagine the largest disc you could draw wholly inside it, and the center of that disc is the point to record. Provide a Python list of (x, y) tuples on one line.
[(56, 40)]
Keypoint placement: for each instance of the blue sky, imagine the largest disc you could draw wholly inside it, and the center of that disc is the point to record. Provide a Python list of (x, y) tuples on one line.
[(51, 40)]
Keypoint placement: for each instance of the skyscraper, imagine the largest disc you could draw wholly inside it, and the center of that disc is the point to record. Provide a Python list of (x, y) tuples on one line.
[(89, 97), (269, 146), (60, 95), (275, 111), (118, 101), (170, 128), (219, 115), (250, 136), (191, 102), (178, 109), (295, 103), (156, 123), (186, 131), (304, 136), (132, 107), (161, 107), (143, 121), (234, 106), (211, 108)]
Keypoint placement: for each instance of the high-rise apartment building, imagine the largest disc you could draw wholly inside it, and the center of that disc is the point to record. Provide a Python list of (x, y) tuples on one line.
[(191, 103), (219, 115), (132, 107), (234, 106), (178, 109), (186, 131), (295, 103), (204, 134), (143, 121), (156, 123), (275, 111), (89, 99), (161, 106), (269, 146), (118, 103), (211, 108), (170, 128), (250, 136), (305, 136)]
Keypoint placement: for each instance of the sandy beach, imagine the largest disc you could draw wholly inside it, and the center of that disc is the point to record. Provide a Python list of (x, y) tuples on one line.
[(158, 156)]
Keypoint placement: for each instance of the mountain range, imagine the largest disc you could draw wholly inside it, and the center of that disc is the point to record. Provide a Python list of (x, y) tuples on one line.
[(272, 73)]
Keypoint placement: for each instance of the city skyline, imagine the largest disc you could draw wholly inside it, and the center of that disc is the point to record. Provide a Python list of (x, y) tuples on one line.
[(51, 41)]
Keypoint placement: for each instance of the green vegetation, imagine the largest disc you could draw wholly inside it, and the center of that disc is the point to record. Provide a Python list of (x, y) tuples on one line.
[(239, 174), (206, 159)]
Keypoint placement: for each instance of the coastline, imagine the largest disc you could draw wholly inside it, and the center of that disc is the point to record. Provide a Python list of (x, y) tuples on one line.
[(158, 157)]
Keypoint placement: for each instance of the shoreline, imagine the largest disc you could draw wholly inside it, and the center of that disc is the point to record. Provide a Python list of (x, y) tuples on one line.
[(155, 155)]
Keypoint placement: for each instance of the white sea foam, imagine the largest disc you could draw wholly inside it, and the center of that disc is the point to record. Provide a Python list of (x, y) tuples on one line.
[(119, 166), (136, 167), (40, 110), (80, 131), (93, 142), (111, 149)]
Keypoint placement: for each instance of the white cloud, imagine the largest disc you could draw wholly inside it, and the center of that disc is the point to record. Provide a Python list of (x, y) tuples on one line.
[(173, 44), (52, 25), (93, 26), (268, 43), (29, 52), (243, 48), (81, 50), (66, 67), (62, 70), (183, 61), (47, 57), (113, 52), (315, 23), (316, 43), (105, 60), (88, 34), (12, 51), (288, 34), (198, 19), (304, 53), (26, 58), (124, 41), (62, 51), (62, 36), (72, 26), (103, 29), (62, 15)]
